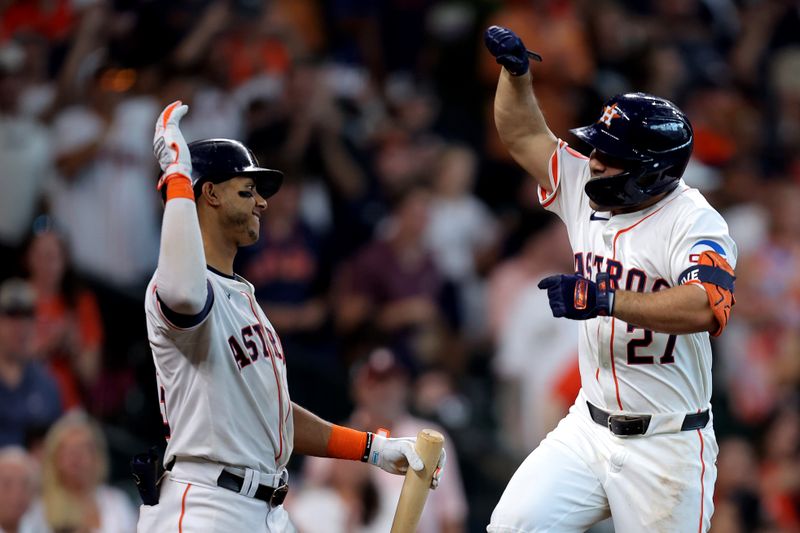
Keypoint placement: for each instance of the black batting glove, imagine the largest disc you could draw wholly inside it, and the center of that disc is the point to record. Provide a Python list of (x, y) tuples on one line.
[(579, 298), (508, 49)]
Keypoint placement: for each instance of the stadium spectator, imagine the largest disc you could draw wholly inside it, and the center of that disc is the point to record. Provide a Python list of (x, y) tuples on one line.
[(535, 354), (737, 488), (74, 494), (29, 396), (18, 484), (25, 149), (343, 500), (780, 470), (104, 154), (380, 389), (462, 234), (760, 365), (392, 290), (69, 330)]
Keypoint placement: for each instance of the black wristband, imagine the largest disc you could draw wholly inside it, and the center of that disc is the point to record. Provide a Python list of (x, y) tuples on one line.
[(605, 295), (367, 448)]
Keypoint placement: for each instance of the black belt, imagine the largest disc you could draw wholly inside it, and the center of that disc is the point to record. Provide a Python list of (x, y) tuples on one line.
[(626, 425), (273, 497)]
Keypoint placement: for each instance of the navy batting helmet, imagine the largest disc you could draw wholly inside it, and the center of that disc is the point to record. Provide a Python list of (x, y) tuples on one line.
[(218, 160), (650, 137)]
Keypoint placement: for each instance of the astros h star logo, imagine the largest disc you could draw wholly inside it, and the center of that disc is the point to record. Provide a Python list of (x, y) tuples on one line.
[(609, 114)]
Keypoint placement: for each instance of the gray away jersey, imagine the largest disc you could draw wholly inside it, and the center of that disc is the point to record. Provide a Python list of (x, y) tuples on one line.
[(222, 383)]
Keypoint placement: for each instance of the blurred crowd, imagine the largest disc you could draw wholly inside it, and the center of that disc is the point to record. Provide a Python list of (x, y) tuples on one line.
[(400, 259)]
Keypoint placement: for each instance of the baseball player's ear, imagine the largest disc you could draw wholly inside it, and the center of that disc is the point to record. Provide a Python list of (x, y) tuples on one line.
[(209, 191)]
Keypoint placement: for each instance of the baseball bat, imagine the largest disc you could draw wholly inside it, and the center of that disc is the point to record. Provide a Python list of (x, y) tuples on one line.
[(417, 484)]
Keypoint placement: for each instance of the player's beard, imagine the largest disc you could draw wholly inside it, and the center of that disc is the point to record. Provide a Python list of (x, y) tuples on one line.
[(242, 227)]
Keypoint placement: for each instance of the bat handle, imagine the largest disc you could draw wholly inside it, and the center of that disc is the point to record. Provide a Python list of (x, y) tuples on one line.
[(417, 484)]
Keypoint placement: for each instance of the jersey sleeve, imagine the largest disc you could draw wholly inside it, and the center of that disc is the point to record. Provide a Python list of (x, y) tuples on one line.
[(568, 172), (706, 231), (181, 275), (170, 322)]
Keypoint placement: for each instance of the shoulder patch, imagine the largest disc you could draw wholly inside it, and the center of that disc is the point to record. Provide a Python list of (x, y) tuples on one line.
[(704, 245)]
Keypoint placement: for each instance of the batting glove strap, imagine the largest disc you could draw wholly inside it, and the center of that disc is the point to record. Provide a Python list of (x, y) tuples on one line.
[(173, 173), (507, 48), (578, 298), (394, 455), (367, 448), (605, 295)]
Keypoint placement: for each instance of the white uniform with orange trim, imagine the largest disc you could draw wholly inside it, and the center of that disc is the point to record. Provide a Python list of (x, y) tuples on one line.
[(662, 481), (225, 402)]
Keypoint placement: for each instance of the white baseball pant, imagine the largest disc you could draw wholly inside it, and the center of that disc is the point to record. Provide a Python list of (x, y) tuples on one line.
[(191, 502), (581, 473)]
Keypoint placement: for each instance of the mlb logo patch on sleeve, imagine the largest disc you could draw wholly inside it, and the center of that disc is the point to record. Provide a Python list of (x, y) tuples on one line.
[(703, 246)]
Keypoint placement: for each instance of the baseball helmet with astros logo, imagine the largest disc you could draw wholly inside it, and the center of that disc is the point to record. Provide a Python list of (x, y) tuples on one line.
[(647, 136), (218, 160)]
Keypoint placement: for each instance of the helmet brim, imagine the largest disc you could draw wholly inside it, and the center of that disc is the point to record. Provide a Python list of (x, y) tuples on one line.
[(268, 181)]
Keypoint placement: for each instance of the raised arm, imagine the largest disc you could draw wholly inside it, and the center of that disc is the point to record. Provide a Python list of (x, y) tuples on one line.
[(519, 121), (181, 277)]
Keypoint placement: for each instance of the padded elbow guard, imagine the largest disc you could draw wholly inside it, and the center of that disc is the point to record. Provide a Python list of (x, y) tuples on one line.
[(715, 274)]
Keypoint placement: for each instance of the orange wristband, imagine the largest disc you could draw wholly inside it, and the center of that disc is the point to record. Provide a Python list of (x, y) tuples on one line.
[(346, 443), (179, 186)]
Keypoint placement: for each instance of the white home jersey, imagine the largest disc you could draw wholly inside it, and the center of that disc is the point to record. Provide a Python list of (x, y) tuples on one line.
[(625, 368), (222, 383)]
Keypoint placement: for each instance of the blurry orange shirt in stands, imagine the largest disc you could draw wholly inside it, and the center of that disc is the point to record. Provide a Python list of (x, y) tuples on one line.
[(53, 23), (53, 313)]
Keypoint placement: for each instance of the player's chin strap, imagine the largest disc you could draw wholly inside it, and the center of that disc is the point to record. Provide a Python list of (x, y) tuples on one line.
[(714, 273)]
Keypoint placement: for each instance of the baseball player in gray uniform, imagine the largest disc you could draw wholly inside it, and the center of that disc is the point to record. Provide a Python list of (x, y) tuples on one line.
[(220, 367)]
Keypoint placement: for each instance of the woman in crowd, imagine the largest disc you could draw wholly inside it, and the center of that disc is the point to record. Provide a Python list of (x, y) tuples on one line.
[(74, 496), (69, 330)]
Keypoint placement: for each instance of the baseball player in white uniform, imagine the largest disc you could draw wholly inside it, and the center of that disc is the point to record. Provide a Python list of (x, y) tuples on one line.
[(653, 277), (220, 366)]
